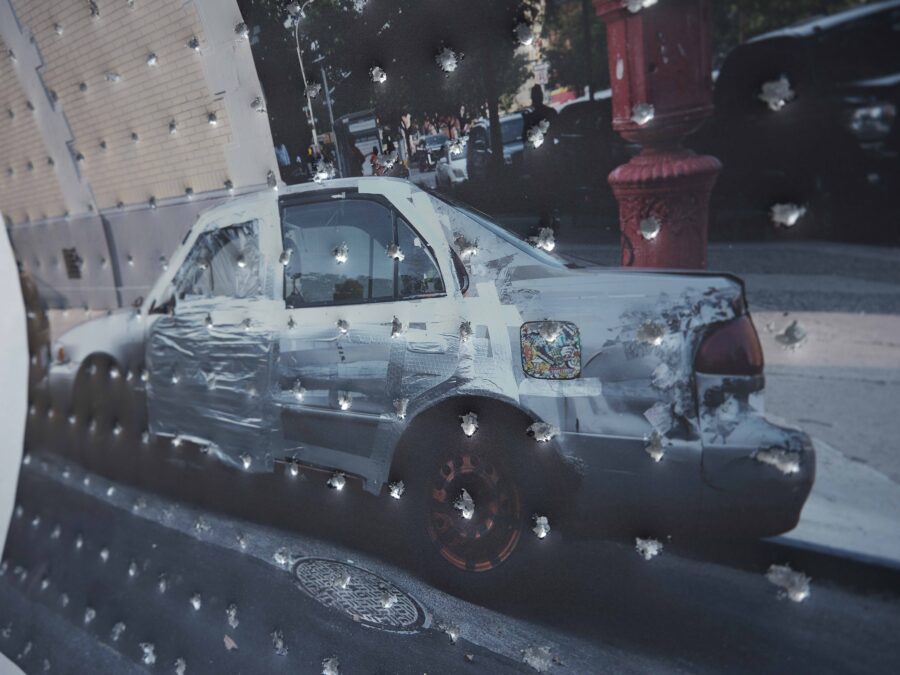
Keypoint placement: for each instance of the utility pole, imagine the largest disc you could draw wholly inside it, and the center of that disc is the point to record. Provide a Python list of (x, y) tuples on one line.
[(328, 92), (296, 11)]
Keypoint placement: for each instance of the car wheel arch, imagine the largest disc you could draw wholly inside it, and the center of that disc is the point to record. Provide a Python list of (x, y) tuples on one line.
[(490, 409)]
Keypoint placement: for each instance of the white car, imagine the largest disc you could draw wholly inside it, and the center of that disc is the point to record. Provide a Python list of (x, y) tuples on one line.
[(374, 330), (451, 166)]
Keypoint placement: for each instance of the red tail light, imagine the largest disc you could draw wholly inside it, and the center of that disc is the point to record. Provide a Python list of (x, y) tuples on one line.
[(731, 348)]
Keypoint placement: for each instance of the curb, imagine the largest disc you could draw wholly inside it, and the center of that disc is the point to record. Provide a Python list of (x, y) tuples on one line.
[(854, 571)]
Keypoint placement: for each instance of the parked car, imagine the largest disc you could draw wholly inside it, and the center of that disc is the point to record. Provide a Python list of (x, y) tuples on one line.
[(373, 329), (806, 116), (451, 166), (428, 149), (588, 150), (477, 162)]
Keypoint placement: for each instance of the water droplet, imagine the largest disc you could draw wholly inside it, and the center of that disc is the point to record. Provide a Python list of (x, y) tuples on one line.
[(117, 630), (378, 75), (541, 526), (149, 653), (642, 113), (337, 481), (196, 601), (397, 489), (465, 504), (231, 615), (469, 423), (650, 227)]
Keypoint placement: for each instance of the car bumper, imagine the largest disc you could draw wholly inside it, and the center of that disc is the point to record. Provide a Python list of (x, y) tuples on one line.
[(721, 490)]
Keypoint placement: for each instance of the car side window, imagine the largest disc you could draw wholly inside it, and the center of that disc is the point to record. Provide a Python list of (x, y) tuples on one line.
[(419, 276), (223, 263), (338, 253)]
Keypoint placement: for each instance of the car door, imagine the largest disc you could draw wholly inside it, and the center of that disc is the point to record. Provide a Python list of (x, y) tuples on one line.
[(368, 312), (209, 355)]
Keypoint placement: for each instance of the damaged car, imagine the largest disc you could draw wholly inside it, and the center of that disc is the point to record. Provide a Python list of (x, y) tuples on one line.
[(379, 332)]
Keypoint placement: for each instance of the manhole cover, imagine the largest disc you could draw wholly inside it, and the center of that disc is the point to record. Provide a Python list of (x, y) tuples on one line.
[(364, 597)]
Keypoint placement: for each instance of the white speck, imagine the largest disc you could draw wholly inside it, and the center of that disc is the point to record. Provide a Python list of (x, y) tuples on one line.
[(112, 76), (784, 460), (341, 253), (117, 631), (180, 666), (378, 75), (345, 400), (635, 6), (314, 89), (230, 643), (132, 569), (246, 461), (654, 446), (620, 68), (465, 505), (393, 251), (149, 650), (324, 171), (294, 469), (651, 333), (650, 227), (663, 377), (89, 615), (400, 405), (545, 239), (331, 665), (794, 585), (541, 526), (397, 489), (388, 599), (465, 331), (648, 548), (285, 257), (298, 390), (642, 113), (241, 540), (152, 59), (282, 557), (342, 581), (79, 542), (242, 31), (278, 643), (57, 531), (786, 215), (231, 614), (451, 631), (524, 33), (792, 336), (538, 658), (469, 423), (542, 431), (104, 554), (777, 93), (337, 481), (397, 327), (162, 583), (535, 134), (447, 60), (465, 248)]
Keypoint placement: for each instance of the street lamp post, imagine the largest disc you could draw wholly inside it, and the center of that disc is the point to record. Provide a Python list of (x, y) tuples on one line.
[(296, 10)]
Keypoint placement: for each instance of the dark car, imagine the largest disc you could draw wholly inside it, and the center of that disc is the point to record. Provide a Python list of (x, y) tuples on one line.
[(588, 150), (428, 149), (805, 127)]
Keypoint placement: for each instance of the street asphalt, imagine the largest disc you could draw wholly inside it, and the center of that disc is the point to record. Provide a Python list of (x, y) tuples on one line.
[(589, 607)]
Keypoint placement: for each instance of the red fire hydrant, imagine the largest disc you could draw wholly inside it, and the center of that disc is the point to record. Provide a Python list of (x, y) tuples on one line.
[(661, 74)]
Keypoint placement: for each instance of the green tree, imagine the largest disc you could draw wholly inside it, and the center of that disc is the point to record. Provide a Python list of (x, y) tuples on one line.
[(575, 45)]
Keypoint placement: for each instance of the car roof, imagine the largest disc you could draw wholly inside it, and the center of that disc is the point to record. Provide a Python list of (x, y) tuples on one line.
[(821, 23)]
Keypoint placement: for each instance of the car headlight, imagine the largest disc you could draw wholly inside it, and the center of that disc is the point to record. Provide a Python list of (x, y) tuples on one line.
[(872, 122), (551, 350)]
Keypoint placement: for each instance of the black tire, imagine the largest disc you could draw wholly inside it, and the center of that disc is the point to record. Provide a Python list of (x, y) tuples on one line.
[(496, 545)]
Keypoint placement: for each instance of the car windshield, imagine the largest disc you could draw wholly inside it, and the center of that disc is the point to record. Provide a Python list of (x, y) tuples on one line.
[(495, 228)]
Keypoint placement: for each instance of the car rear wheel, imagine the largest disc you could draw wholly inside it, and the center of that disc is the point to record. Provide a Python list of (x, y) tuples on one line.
[(471, 506)]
